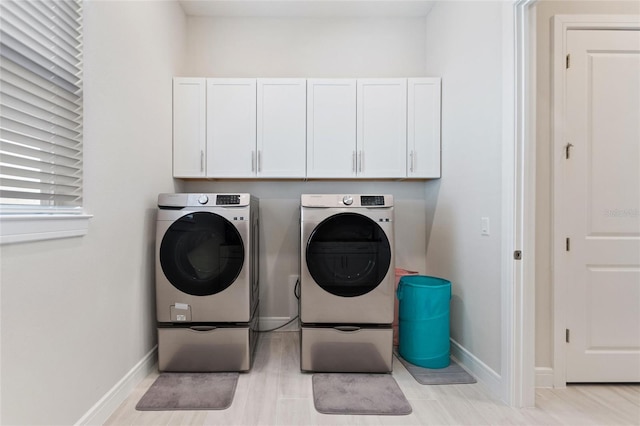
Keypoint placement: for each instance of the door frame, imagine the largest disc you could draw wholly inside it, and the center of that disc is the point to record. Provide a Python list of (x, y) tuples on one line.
[(561, 25), (519, 161)]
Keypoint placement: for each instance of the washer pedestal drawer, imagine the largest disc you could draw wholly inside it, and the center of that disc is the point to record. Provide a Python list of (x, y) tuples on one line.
[(205, 349), (346, 349)]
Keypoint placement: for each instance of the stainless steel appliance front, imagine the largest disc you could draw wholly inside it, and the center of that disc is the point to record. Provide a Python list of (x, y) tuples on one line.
[(346, 282), (206, 347), (343, 349), (206, 275)]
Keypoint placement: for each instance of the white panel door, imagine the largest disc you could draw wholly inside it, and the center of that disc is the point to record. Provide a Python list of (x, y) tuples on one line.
[(331, 128), (189, 127), (281, 127), (382, 128), (423, 127), (600, 177), (231, 127)]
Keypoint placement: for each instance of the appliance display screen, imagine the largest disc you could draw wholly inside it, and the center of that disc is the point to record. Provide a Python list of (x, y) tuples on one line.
[(372, 200), (223, 200)]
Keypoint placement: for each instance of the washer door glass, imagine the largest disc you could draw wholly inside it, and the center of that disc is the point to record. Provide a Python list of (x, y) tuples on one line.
[(202, 254), (348, 254)]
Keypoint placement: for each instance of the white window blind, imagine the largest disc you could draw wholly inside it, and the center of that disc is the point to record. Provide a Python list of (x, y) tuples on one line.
[(40, 106)]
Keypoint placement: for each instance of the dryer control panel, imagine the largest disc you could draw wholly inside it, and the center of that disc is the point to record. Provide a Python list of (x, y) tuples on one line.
[(346, 200), (227, 199), (372, 200)]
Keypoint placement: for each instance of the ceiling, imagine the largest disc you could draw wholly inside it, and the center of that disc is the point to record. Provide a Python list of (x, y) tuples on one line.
[(307, 8)]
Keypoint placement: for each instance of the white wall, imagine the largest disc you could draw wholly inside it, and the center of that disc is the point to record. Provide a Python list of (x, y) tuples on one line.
[(464, 45), (545, 9), (310, 47), (306, 47), (78, 313)]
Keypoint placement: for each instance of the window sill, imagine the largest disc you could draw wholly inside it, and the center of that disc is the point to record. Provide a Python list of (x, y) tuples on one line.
[(38, 227)]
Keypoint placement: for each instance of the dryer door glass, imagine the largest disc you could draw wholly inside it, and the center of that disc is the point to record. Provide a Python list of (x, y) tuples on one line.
[(348, 254), (202, 254)]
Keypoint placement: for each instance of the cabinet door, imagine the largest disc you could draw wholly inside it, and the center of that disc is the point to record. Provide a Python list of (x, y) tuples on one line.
[(423, 127), (189, 127), (331, 128), (382, 128), (281, 134), (231, 127)]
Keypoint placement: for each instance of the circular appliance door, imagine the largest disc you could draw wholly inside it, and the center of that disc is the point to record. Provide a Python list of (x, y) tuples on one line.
[(201, 254), (348, 254)]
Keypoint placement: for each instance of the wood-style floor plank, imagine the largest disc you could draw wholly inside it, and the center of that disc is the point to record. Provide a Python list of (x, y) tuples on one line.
[(275, 392)]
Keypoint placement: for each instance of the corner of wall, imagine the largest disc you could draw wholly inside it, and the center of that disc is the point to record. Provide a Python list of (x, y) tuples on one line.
[(106, 406)]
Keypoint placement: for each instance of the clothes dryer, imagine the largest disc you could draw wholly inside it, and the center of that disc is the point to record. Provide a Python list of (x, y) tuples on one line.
[(346, 282), (207, 281)]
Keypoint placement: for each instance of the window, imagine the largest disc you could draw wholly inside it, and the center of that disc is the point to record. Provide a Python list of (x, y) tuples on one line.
[(40, 117)]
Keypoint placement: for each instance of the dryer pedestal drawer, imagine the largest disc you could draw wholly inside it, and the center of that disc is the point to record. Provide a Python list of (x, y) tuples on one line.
[(346, 349), (205, 350)]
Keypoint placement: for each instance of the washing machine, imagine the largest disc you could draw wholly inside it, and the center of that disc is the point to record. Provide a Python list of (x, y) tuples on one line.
[(347, 282), (207, 281)]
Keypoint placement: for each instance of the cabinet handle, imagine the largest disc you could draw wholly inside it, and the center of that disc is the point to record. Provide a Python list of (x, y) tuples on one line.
[(201, 160), (361, 161), (259, 161), (353, 162), (411, 162), (253, 161)]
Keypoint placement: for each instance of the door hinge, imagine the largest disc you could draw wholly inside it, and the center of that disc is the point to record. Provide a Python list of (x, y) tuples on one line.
[(567, 335), (568, 61), (517, 255), (567, 150), (567, 244)]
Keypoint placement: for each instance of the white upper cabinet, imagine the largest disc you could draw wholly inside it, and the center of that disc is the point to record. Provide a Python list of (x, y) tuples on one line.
[(331, 128), (256, 128), (356, 128), (281, 128), (189, 135), (423, 127), (231, 127), (382, 128)]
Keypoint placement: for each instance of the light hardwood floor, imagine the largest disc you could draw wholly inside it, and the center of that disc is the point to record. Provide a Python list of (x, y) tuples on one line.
[(275, 392)]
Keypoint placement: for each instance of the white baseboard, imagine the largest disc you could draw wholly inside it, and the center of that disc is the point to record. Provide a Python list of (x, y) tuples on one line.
[(544, 377), (269, 323), (100, 412), (481, 371)]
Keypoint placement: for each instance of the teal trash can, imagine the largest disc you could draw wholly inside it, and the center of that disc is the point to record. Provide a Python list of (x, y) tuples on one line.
[(424, 320)]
